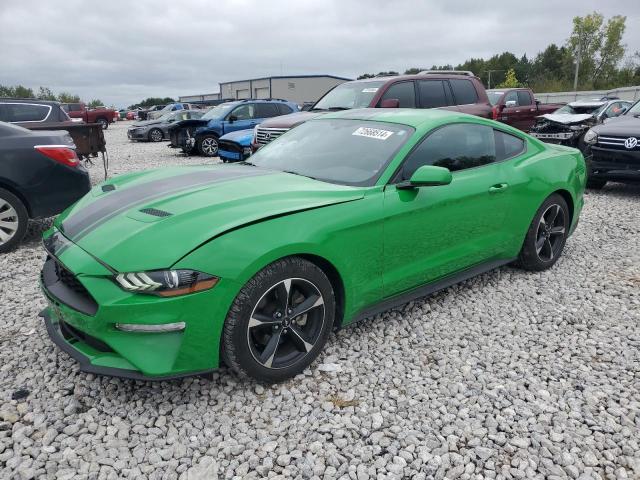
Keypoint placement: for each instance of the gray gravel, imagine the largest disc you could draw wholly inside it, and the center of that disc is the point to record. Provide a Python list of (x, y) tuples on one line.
[(509, 375)]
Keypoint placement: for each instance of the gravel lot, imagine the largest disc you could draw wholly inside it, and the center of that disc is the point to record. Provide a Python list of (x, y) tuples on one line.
[(509, 375)]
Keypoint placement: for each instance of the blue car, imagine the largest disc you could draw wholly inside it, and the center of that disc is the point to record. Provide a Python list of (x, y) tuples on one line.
[(235, 146), (202, 136)]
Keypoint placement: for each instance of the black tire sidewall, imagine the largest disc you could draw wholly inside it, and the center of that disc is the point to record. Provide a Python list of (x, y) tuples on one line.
[(235, 348), (23, 219), (528, 258), (103, 122)]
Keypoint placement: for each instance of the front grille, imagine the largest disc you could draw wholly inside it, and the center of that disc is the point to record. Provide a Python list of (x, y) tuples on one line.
[(73, 335), (616, 143), (266, 135), (70, 280)]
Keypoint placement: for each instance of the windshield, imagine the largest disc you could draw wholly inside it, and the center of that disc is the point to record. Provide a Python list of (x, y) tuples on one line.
[(348, 152), (218, 111), (635, 109), (349, 95), (494, 97), (576, 109)]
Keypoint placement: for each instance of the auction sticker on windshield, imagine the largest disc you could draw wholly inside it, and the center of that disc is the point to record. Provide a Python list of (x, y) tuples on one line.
[(372, 133), (369, 90)]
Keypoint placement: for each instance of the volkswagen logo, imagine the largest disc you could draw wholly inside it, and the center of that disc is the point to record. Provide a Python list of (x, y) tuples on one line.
[(631, 142)]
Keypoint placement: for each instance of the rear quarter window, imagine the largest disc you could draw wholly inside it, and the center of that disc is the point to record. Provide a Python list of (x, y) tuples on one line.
[(507, 145), (284, 109), (464, 91), (25, 112)]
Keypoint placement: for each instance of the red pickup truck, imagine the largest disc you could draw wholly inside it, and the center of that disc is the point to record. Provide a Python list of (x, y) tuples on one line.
[(518, 107), (103, 116)]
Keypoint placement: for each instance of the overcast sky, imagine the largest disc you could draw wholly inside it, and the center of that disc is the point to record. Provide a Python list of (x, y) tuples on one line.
[(123, 51)]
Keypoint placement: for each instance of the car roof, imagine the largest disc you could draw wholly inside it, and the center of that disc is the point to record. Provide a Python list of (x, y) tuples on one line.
[(417, 76), (28, 100), (413, 117)]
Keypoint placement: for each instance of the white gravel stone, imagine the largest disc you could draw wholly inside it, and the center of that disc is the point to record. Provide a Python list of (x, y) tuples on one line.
[(509, 375)]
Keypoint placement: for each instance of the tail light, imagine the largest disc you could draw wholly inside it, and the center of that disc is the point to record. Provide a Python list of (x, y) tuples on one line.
[(494, 112), (60, 153)]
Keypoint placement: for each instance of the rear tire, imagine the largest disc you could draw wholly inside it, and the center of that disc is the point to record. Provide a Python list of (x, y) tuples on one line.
[(208, 145), (104, 123), (546, 236), (14, 219), (279, 322)]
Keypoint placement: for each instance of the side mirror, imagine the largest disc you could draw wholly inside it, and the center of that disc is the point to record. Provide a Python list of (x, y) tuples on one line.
[(427, 176), (390, 103), (232, 118), (510, 103)]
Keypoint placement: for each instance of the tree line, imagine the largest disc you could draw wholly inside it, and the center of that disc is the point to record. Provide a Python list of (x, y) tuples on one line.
[(594, 43), (44, 93)]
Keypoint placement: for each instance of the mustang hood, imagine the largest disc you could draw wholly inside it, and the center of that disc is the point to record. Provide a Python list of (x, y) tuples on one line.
[(150, 220)]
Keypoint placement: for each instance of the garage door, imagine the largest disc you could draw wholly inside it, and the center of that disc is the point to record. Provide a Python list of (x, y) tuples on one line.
[(241, 94), (261, 92)]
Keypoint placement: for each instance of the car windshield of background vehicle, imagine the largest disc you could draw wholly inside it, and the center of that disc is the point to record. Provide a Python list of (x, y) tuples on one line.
[(635, 109), (567, 109), (218, 111), (494, 97), (349, 95), (339, 151)]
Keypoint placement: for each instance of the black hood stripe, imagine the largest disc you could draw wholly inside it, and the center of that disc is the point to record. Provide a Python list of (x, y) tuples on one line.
[(112, 204)]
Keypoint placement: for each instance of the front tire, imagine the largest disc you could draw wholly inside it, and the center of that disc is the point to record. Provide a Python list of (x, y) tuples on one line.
[(280, 321), (208, 145), (156, 135), (103, 123), (546, 236), (13, 220)]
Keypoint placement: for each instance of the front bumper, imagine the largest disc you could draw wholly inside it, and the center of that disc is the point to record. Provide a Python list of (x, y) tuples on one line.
[(233, 152), (85, 305), (614, 164), (137, 134)]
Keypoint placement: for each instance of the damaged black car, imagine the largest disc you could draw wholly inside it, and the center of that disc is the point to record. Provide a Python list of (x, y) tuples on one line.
[(568, 124)]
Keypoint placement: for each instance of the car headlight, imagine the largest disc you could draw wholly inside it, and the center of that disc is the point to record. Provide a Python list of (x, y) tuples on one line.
[(255, 135), (591, 137), (166, 283), (246, 151)]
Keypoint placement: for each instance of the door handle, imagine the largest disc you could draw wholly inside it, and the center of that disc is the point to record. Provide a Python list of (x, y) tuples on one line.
[(498, 187)]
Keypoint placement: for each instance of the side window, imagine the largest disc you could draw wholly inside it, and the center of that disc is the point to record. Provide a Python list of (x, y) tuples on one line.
[(615, 109), (244, 112), (511, 96), (75, 107), (404, 92), (508, 145), (463, 91), (456, 147), (22, 112), (267, 110), (524, 98), (284, 108), (432, 94)]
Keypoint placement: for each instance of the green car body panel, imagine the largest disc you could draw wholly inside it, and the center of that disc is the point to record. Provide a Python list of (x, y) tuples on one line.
[(376, 243)]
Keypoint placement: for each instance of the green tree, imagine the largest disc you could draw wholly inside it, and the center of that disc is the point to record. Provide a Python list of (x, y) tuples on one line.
[(45, 93), (510, 81), (597, 46), (95, 103), (66, 97)]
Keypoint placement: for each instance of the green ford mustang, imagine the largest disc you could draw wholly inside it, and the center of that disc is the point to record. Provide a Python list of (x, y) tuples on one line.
[(171, 272)]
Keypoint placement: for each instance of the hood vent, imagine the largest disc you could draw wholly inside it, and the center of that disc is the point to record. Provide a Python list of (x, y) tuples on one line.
[(155, 212)]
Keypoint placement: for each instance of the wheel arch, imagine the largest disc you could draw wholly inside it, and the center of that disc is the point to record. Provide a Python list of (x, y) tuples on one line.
[(566, 195), (11, 188)]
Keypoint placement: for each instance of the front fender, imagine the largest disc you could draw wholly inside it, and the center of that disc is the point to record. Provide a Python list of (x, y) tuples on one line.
[(347, 235)]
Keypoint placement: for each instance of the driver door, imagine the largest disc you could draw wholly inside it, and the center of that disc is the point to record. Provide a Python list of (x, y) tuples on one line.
[(432, 232), (241, 118)]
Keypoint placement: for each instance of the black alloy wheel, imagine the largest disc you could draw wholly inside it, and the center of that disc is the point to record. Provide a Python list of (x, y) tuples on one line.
[(286, 323), (551, 232)]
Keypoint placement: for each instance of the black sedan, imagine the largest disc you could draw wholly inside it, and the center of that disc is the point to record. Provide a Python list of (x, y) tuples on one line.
[(158, 129), (40, 175), (614, 152)]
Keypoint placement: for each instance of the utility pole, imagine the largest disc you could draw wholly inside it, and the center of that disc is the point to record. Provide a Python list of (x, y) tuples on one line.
[(490, 76), (575, 77)]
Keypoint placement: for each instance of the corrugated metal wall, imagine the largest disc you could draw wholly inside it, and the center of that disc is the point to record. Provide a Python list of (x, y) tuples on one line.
[(626, 93)]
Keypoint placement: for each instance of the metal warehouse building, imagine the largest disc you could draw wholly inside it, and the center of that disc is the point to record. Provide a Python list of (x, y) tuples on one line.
[(295, 88)]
